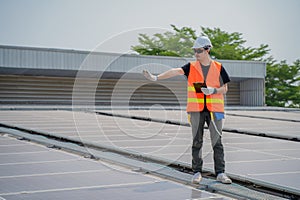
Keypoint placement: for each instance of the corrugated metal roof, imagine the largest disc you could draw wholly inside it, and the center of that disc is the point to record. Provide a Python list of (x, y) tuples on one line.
[(46, 58)]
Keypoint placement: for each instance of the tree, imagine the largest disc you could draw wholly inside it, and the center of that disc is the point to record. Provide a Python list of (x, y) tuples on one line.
[(176, 43), (283, 84), (230, 46)]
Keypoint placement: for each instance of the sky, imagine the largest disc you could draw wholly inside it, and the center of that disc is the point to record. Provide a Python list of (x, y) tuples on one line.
[(114, 25)]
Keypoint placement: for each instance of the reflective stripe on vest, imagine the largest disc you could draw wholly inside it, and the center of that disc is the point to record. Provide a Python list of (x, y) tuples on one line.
[(207, 100), (195, 101)]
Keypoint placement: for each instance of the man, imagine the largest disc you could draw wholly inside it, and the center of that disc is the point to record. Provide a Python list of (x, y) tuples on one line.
[(207, 82)]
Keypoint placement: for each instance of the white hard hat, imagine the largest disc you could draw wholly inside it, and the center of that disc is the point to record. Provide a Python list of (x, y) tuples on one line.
[(202, 42)]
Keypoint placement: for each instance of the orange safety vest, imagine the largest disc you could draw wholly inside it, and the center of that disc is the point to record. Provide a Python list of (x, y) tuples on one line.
[(195, 101)]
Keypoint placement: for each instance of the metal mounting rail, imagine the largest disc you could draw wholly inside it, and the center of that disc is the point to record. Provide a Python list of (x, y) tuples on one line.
[(174, 122)]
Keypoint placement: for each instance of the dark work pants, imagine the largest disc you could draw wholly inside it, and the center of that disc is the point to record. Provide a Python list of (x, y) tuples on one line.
[(198, 120)]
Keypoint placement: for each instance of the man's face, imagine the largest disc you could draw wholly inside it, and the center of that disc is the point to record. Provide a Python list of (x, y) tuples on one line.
[(199, 52)]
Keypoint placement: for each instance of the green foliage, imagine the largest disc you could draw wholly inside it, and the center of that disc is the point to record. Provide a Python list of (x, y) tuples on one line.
[(283, 84), (230, 46), (227, 46), (176, 43)]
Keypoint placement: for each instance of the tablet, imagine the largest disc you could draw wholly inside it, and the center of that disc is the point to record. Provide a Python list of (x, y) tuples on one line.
[(198, 86)]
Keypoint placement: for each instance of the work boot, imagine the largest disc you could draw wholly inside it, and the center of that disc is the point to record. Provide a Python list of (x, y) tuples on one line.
[(197, 178), (223, 178)]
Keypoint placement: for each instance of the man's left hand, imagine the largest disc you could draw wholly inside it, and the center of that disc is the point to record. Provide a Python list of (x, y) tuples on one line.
[(209, 90)]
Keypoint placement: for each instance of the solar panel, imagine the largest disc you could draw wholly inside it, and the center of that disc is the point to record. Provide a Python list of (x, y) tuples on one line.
[(269, 161)]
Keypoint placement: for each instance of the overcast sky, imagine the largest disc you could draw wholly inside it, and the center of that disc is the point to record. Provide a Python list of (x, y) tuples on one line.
[(113, 25)]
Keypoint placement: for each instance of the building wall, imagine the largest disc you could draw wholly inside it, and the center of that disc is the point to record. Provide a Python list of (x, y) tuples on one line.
[(246, 88), (41, 58), (252, 92)]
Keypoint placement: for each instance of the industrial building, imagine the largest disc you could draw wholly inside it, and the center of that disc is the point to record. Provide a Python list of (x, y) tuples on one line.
[(144, 153), (43, 76)]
